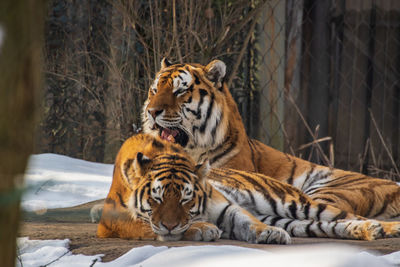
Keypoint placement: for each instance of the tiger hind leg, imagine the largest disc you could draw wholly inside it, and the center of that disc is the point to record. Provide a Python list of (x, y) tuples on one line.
[(391, 229), (344, 229), (358, 194)]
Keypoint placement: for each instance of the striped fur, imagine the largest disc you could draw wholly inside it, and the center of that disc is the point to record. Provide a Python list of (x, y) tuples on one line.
[(193, 104), (159, 192), (278, 204)]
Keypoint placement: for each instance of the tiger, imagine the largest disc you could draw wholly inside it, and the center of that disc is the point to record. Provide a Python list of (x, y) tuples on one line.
[(189, 104), (159, 192)]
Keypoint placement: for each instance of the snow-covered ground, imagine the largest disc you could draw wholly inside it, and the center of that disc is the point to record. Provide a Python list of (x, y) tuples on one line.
[(56, 181), (43, 252)]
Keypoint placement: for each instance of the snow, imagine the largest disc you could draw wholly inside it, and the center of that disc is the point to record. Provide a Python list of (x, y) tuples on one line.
[(42, 252), (37, 253), (56, 181), (307, 256)]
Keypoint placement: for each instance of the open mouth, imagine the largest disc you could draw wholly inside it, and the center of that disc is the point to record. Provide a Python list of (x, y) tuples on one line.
[(174, 135)]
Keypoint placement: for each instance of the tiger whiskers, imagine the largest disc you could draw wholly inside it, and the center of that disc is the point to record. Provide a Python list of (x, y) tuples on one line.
[(171, 123)]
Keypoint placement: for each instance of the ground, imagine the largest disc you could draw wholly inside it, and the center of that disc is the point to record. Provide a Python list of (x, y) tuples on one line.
[(74, 224)]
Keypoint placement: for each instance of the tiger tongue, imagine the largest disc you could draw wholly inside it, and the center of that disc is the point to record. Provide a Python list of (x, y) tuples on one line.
[(169, 134)]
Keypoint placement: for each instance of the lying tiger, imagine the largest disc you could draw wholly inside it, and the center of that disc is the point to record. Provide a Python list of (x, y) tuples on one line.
[(158, 192), (190, 105)]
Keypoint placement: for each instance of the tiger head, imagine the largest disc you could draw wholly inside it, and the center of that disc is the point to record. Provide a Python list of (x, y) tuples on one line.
[(185, 105), (168, 190)]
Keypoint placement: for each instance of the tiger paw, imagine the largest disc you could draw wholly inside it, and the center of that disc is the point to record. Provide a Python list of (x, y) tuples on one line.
[(265, 234), (202, 231), (391, 229), (365, 230)]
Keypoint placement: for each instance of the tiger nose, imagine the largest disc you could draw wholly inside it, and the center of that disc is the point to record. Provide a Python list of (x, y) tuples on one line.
[(169, 225), (155, 112)]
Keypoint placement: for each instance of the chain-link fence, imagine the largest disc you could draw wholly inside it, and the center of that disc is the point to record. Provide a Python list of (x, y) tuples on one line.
[(323, 82), (318, 79)]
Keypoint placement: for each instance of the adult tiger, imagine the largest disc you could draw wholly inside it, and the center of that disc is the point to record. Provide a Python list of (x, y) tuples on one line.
[(159, 192), (189, 104)]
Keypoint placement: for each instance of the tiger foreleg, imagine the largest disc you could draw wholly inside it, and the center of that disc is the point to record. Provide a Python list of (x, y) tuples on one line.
[(117, 223), (237, 223), (202, 231)]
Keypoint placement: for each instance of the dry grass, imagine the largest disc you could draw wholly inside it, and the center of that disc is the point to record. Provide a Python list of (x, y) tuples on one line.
[(328, 159)]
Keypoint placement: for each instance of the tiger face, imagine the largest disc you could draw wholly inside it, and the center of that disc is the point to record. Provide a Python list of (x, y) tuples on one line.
[(168, 192), (185, 104)]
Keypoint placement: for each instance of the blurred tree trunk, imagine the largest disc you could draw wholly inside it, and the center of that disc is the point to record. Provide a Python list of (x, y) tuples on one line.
[(113, 101), (20, 57)]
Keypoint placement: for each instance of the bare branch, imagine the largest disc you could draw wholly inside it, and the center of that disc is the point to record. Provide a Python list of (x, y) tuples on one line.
[(383, 142)]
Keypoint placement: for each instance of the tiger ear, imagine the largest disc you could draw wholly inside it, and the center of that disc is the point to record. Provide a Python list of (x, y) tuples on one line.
[(202, 170), (165, 63), (127, 171), (215, 72), (142, 164)]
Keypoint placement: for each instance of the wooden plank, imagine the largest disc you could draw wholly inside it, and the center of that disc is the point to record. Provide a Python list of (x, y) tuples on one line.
[(318, 87), (352, 109), (384, 104)]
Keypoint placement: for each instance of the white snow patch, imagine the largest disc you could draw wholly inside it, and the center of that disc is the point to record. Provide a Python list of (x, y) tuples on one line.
[(42, 252), (136, 256), (56, 181), (307, 256)]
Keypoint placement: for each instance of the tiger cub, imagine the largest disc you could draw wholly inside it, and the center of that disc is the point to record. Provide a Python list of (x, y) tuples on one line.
[(158, 192)]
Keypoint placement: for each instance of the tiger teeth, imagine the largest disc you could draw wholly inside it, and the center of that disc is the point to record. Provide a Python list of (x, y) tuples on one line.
[(171, 139), (168, 137)]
